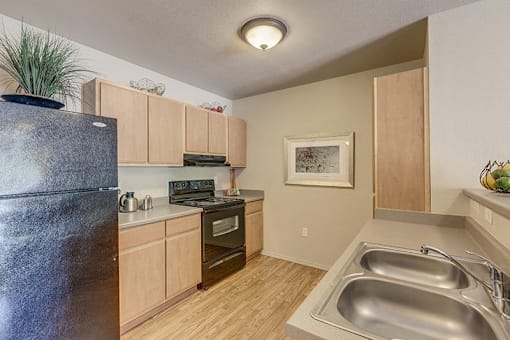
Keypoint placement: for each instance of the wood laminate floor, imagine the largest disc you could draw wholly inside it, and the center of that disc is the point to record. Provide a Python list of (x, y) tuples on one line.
[(253, 303)]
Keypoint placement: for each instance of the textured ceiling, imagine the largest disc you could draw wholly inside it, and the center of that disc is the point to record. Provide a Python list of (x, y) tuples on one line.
[(196, 41)]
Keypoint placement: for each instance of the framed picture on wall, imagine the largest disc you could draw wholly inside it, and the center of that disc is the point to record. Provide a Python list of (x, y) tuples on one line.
[(320, 160)]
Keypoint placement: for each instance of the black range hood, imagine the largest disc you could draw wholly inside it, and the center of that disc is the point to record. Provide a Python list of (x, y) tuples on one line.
[(204, 160)]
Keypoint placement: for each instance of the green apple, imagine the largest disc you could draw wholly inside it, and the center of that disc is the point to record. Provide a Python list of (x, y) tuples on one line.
[(500, 172), (503, 183)]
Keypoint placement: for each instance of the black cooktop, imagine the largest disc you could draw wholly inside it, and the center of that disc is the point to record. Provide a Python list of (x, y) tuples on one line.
[(212, 203)]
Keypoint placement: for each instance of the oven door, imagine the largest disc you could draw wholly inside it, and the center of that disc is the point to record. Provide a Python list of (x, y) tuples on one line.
[(222, 232)]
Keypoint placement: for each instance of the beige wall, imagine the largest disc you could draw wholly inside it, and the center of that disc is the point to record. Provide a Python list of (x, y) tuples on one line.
[(333, 216), (469, 58)]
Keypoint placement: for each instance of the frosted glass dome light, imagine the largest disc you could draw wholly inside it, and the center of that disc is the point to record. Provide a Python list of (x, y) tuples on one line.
[(263, 32)]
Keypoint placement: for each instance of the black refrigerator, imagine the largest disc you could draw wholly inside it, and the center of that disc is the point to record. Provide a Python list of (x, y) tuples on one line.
[(58, 225)]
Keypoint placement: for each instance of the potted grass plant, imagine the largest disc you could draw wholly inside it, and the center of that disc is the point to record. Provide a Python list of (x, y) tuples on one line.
[(43, 66)]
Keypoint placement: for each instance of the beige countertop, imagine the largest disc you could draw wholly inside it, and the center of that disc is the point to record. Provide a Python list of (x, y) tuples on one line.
[(499, 202), (401, 234), (162, 211), (246, 195)]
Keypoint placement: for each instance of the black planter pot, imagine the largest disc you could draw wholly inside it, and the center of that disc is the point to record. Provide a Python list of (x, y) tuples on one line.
[(29, 99)]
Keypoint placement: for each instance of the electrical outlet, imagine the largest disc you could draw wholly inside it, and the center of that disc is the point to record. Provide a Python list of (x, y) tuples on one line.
[(304, 232), (487, 215)]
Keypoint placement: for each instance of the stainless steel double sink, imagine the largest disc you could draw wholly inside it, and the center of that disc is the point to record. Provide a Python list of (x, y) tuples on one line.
[(395, 293)]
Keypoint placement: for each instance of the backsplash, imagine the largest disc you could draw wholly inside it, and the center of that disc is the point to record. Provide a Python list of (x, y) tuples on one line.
[(154, 180)]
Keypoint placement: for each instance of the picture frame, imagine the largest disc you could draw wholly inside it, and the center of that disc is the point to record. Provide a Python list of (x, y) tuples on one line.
[(320, 160)]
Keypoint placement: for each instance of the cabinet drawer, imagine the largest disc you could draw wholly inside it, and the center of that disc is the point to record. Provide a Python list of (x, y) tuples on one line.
[(182, 224), (132, 237), (252, 207)]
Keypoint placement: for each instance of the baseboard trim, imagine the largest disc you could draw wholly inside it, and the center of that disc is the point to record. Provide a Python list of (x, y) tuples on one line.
[(295, 260)]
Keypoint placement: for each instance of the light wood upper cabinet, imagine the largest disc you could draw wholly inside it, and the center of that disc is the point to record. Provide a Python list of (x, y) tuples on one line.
[(401, 142), (130, 110), (150, 128), (236, 142), (166, 131), (217, 133), (254, 223), (183, 254), (141, 270), (197, 130), (154, 130), (206, 131)]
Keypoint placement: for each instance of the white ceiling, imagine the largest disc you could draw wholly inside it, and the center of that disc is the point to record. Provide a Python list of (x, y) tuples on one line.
[(196, 41)]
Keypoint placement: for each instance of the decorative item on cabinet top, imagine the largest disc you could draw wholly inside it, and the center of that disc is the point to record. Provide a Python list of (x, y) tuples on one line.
[(214, 106), (43, 66), (147, 85), (495, 176)]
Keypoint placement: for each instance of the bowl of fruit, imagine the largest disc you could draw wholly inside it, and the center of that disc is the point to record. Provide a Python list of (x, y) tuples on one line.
[(495, 176)]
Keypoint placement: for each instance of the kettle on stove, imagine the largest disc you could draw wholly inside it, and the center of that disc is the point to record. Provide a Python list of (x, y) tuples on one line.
[(128, 202)]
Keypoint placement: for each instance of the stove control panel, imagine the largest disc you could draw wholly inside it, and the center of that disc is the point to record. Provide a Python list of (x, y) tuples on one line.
[(186, 187)]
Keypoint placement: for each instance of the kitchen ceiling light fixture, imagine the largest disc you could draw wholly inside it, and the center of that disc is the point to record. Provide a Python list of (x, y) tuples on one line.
[(263, 32)]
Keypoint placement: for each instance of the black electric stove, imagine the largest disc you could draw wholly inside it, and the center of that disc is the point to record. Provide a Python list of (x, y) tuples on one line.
[(223, 229)]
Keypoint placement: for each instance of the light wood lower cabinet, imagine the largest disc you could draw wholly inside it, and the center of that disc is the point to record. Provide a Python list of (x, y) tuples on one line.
[(159, 264), (141, 269), (183, 250), (254, 228)]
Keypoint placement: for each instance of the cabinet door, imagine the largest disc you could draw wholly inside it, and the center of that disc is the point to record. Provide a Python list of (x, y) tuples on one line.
[(217, 133), (130, 110), (183, 254), (401, 142), (166, 131), (183, 262), (236, 142), (197, 130), (141, 270), (254, 233)]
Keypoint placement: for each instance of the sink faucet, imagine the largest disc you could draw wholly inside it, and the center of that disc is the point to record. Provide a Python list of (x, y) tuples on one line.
[(499, 286)]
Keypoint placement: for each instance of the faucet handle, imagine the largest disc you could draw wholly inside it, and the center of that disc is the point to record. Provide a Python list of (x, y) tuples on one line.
[(495, 272), (479, 256)]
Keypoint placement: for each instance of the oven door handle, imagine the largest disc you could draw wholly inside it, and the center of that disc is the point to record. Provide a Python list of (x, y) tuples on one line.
[(230, 257), (229, 230)]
